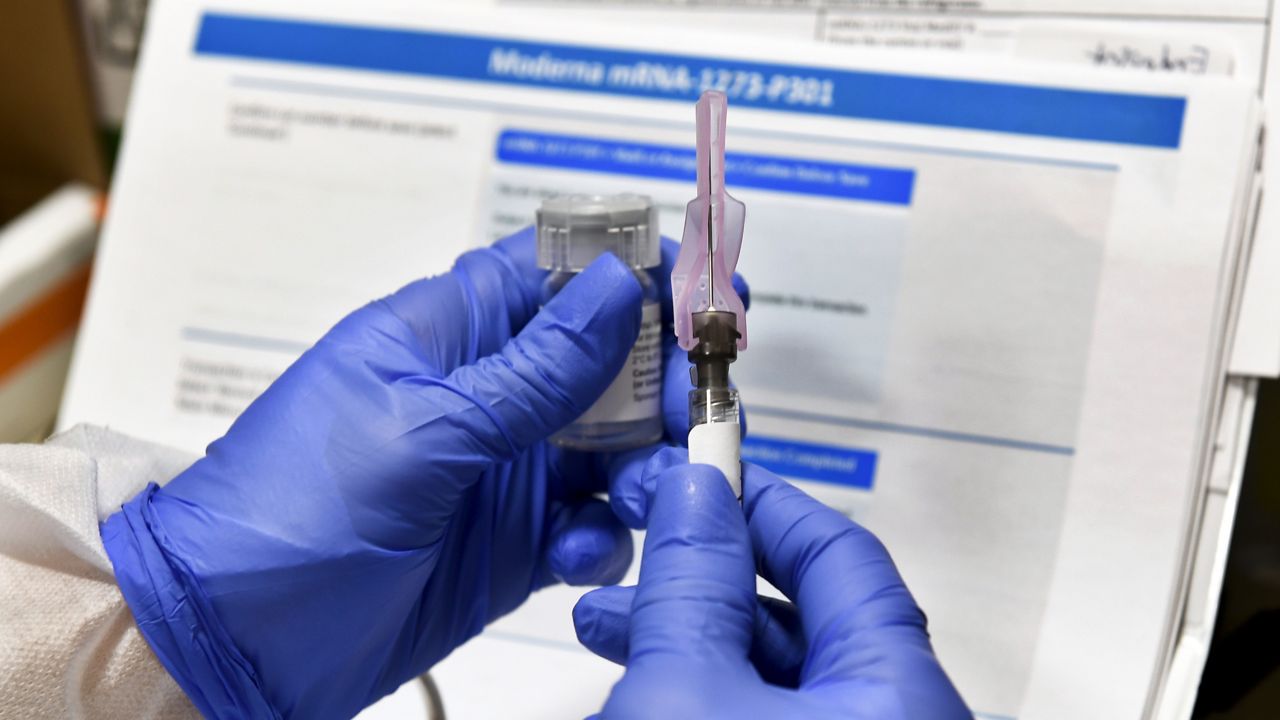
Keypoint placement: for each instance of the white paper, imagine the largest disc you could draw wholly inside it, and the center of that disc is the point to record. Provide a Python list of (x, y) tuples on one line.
[(1014, 338)]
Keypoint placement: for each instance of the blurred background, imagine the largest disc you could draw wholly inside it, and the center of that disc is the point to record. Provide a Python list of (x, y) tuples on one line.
[(64, 82)]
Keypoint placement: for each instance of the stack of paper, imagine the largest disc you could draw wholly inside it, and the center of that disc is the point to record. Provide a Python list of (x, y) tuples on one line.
[(1015, 283)]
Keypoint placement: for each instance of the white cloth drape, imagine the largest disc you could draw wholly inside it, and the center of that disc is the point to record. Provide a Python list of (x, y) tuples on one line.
[(68, 644)]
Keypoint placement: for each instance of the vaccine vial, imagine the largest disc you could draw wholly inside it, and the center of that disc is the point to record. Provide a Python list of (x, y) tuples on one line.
[(574, 230)]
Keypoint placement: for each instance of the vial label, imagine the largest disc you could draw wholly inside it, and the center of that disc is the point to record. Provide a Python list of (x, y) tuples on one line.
[(636, 394)]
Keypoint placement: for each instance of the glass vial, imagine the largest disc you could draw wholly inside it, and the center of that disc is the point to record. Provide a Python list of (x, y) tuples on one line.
[(574, 230)]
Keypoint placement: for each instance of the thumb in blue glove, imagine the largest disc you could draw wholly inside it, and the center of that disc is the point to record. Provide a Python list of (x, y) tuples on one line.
[(390, 494), (698, 642)]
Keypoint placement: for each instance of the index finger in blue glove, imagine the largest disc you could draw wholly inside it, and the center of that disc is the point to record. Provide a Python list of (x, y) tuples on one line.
[(476, 307), (633, 478), (588, 545), (837, 572), (696, 598), (560, 362), (602, 621), (493, 409)]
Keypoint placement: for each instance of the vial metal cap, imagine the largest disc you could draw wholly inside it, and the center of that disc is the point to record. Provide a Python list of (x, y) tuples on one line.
[(574, 230)]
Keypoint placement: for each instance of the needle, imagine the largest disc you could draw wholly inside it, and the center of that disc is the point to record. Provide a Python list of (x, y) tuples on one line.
[(711, 289)]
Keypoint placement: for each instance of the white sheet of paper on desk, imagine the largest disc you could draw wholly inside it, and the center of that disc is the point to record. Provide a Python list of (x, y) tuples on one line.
[(1025, 302)]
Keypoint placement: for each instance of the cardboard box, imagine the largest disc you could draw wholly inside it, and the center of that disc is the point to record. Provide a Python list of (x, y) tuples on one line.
[(48, 139), (48, 127)]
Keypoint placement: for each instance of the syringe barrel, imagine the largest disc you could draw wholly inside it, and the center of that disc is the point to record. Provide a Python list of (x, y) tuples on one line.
[(713, 405), (715, 433)]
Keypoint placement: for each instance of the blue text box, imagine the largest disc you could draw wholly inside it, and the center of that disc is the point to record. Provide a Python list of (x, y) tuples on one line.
[(851, 467), (1115, 117), (790, 175)]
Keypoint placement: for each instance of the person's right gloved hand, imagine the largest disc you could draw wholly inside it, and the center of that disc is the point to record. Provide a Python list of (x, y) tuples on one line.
[(698, 642)]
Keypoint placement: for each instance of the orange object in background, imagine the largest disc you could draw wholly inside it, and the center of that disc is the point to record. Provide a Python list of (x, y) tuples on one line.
[(45, 260), (47, 320)]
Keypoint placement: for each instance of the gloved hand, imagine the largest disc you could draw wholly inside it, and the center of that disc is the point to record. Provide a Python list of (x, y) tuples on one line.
[(391, 492), (699, 643)]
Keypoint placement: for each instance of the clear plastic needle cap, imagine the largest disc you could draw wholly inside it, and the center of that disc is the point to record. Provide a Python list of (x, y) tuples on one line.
[(702, 277)]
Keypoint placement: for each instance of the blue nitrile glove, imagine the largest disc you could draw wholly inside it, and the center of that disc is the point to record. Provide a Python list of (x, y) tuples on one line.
[(391, 493), (699, 643)]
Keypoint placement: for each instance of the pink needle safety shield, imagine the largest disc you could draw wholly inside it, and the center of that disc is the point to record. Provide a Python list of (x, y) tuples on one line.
[(702, 277)]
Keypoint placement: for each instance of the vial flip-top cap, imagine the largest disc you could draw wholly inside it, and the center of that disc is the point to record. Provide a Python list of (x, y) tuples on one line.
[(574, 230)]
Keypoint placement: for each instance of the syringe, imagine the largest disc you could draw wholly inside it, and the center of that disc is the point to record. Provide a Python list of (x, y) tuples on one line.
[(710, 321)]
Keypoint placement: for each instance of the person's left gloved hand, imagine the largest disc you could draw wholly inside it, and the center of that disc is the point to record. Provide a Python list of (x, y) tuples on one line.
[(391, 493)]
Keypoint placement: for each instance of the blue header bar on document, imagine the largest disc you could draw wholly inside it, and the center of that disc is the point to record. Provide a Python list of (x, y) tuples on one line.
[(1064, 113)]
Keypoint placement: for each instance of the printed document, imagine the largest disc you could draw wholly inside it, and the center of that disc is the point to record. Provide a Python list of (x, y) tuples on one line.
[(1009, 283)]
